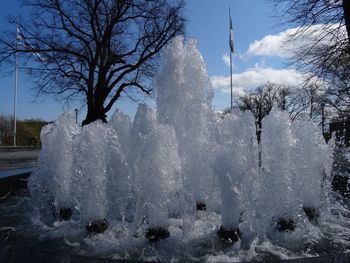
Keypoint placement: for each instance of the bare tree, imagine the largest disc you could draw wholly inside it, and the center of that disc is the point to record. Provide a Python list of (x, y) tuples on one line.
[(306, 13), (303, 101), (94, 49), (6, 129), (306, 101), (324, 31), (259, 102), (296, 101)]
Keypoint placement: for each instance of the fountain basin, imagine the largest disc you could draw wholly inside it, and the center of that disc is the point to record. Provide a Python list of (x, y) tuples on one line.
[(56, 249), (18, 253)]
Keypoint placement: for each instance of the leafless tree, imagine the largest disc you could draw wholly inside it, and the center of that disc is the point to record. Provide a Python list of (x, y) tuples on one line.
[(306, 100), (6, 128), (297, 101), (324, 31), (306, 13), (94, 49), (259, 102)]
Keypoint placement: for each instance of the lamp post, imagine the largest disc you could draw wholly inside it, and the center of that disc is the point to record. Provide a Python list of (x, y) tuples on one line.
[(76, 115)]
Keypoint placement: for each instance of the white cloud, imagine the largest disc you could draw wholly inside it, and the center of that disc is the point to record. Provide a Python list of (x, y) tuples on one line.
[(226, 59), (271, 45), (254, 77), (278, 45), (281, 44)]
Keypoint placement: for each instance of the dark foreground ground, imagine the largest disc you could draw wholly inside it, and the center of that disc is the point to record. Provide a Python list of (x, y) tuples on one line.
[(18, 254), (14, 253)]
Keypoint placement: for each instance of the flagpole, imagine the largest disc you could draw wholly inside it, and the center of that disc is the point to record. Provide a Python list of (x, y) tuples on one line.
[(231, 78), (15, 93), (230, 28)]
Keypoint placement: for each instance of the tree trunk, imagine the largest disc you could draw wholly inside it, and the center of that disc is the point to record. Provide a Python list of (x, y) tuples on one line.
[(94, 116), (346, 9), (95, 111)]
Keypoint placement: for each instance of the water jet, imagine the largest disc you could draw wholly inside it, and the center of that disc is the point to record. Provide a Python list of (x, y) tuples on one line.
[(145, 178)]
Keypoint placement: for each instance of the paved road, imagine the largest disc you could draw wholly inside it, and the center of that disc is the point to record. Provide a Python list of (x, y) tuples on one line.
[(19, 157)]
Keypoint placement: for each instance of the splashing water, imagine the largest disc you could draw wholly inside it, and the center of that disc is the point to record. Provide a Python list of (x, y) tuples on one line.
[(153, 171)]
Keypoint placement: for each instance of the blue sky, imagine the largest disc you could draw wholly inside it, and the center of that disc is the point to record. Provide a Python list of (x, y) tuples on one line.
[(258, 41)]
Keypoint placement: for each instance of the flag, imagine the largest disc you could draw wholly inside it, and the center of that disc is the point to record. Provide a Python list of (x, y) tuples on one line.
[(232, 46), (21, 40)]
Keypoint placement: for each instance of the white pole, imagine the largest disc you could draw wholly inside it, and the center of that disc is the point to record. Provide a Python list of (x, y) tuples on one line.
[(231, 78), (229, 14), (15, 93)]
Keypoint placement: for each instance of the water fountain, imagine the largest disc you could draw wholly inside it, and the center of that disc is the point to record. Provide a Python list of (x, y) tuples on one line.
[(179, 183)]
